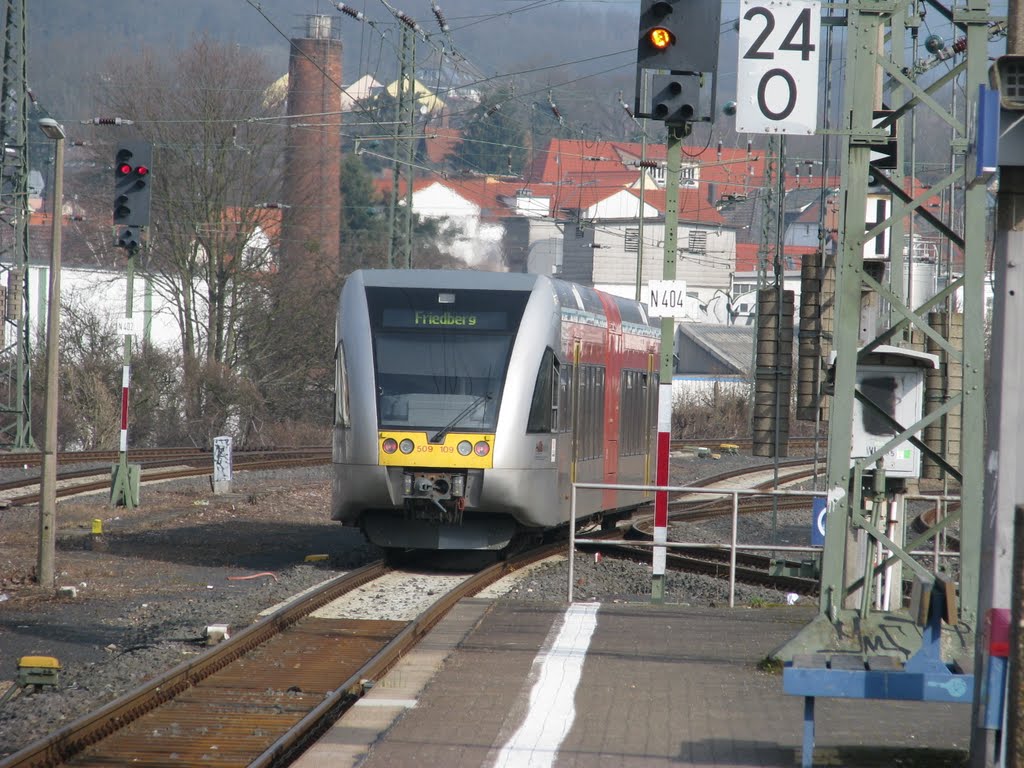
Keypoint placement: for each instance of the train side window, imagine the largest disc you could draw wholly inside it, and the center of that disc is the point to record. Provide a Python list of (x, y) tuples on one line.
[(341, 410), (544, 406)]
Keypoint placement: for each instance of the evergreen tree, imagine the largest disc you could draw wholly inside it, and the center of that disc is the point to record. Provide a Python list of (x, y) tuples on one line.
[(493, 139), (364, 220)]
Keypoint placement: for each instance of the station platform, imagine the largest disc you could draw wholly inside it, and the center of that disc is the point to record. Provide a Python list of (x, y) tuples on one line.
[(515, 684)]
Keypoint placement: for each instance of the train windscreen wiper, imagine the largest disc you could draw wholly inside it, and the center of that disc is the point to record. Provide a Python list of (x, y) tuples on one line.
[(454, 422)]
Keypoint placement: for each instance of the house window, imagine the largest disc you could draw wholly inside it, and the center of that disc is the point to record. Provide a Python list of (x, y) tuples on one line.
[(740, 287), (698, 241), (632, 240)]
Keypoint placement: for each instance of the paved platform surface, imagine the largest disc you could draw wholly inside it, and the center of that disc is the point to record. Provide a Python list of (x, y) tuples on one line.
[(516, 684)]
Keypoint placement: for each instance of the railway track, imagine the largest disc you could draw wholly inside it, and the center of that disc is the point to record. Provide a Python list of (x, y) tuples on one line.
[(751, 568), (261, 696), (744, 444), (257, 698), (174, 463), (157, 465), (146, 455), (26, 459)]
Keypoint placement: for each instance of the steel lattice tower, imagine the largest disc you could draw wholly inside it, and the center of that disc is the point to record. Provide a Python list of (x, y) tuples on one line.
[(876, 34), (15, 402)]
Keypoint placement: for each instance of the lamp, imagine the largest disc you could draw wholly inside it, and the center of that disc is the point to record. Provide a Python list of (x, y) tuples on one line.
[(48, 480)]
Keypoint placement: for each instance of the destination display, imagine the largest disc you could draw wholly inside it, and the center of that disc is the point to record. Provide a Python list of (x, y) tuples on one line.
[(454, 319)]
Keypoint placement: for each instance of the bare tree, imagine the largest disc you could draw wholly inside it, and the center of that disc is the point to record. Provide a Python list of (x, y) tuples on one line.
[(217, 145)]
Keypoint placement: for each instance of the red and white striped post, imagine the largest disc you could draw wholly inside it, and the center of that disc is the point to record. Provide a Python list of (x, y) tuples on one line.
[(121, 489), (126, 374), (668, 327)]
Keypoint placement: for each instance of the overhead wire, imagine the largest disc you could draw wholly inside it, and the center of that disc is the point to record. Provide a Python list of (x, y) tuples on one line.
[(459, 63)]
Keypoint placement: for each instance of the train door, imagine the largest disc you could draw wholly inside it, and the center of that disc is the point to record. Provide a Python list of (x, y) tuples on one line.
[(650, 410), (575, 419)]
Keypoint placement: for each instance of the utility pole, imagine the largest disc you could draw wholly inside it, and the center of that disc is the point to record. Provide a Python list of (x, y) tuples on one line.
[(677, 48), (401, 219), (1004, 481), (16, 403), (45, 569)]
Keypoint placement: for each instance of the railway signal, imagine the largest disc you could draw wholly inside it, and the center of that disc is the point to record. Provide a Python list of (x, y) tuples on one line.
[(132, 190), (679, 35), (678, 39)]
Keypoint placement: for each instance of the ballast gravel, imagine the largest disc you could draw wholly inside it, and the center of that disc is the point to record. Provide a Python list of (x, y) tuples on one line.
[(147, 587)]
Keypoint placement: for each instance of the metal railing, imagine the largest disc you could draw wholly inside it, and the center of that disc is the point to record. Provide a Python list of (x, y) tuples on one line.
[(733, 546)]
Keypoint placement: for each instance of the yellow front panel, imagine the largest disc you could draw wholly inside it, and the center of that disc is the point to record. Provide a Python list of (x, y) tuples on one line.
[(427, 454)]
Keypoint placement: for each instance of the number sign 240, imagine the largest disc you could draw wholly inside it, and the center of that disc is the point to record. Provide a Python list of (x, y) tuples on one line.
[(777, 86)]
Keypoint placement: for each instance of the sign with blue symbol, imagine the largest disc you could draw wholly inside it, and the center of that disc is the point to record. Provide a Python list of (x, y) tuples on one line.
[(818, 507)]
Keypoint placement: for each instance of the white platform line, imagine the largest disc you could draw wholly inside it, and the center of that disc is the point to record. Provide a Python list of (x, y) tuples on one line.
[(404, 703), (552, 701)]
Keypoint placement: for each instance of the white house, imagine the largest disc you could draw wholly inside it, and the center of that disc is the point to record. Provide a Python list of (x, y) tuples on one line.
[(363, 88), (104, 293), (466, 207)]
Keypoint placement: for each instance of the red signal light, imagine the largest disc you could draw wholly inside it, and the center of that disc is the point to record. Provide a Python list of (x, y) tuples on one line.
[(124, 169), (142, 170)]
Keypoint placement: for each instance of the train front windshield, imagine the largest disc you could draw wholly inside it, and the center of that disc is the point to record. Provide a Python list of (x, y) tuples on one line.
[(441, 356)]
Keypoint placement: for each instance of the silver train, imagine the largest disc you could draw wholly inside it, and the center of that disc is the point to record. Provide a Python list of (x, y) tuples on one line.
[(468, 402)]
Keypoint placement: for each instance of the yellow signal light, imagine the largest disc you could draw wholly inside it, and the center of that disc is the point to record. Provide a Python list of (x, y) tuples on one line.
[(661, 38)]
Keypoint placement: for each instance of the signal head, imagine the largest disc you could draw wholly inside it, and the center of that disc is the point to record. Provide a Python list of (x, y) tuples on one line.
[(676, 36), (132, 191)]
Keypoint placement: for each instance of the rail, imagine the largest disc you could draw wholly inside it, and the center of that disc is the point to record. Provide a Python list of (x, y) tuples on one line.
[(733, 546), (263, 743)]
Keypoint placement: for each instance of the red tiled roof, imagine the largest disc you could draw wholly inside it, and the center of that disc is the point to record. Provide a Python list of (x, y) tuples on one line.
[(571, 158), (483, 191), (693, 205)]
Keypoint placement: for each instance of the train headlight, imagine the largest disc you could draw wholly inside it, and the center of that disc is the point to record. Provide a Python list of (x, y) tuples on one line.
[(390, 445), (481, 448), (465, 448), (459, 484), (406, 446)]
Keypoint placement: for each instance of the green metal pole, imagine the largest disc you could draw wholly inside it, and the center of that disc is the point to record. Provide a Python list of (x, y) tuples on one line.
[(410, 153)]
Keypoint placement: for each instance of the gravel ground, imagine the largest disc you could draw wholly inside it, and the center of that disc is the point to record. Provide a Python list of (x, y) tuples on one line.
[(148, 587)]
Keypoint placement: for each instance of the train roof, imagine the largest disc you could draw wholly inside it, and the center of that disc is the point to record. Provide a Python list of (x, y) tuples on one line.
[(567, 293), (447, 278)]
